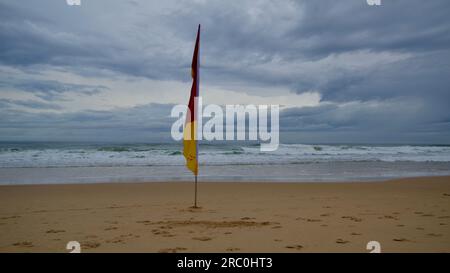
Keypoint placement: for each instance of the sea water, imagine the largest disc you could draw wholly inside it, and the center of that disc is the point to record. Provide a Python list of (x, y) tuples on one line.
[(44, 163)]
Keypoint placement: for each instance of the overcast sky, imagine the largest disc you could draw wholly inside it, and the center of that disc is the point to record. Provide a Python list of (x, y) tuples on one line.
[(112, 70)]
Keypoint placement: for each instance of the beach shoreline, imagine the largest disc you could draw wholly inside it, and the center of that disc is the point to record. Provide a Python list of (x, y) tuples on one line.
[(404, 215)]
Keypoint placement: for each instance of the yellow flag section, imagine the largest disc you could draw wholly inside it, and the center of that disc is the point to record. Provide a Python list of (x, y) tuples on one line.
[(190, 150), (190, 146)]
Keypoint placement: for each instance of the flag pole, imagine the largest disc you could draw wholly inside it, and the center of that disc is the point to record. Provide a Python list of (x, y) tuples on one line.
[(196, 112), (195, 200)]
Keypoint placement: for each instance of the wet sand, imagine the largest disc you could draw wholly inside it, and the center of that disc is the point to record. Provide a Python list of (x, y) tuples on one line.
[(406, 215)]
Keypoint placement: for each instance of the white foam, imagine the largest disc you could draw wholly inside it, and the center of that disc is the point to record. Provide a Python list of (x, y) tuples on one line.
[(168, 155)]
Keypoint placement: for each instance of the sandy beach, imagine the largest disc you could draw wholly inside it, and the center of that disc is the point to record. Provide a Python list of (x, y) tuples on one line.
[(405, 215)]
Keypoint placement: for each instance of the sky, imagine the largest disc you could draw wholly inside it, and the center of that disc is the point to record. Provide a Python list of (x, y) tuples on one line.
[(342, 71)]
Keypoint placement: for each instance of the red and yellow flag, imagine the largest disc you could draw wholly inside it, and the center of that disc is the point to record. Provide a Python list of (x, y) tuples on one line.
[(190, 151)]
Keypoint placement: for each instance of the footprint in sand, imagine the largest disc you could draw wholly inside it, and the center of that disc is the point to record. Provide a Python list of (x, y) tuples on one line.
[(172, 250), (24, 244), (388, 217), (233, 249), (355, 234), (352, 218), (121, 239), (434, 235), (145, 222), (400, 240), (115, 241), (308, 219), (296, 247), (278, 240), (127, 235), (10, 217), (55, 231), (203, 238), (163, 233), (342, 241), (90, 245), (110, 228), (446, 194), (427, 215), (228, 233)]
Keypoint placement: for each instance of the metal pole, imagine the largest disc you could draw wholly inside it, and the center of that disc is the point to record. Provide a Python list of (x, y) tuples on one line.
[(195, 200)]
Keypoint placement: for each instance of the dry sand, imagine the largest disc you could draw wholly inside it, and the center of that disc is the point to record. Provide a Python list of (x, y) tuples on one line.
[(407, 215)]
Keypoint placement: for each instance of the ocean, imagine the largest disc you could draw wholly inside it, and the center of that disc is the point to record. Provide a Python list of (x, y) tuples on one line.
[(49, 163)]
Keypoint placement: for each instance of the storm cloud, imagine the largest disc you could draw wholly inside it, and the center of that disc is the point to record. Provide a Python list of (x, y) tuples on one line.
[(381, 71)]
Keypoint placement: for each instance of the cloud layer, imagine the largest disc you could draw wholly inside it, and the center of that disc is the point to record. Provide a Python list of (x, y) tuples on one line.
[(345, 71)]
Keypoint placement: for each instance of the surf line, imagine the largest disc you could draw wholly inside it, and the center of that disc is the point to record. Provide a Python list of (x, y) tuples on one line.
[(234, 120)]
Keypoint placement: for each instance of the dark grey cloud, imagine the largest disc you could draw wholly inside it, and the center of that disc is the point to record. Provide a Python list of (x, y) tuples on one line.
[(333, 26), (33, 104), (423, 76), (382, 71), (50, 89), (393, 121), (149, 122), (245, 33)]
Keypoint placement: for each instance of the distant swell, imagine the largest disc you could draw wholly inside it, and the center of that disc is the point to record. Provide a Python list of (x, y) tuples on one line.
[(44, 155)]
